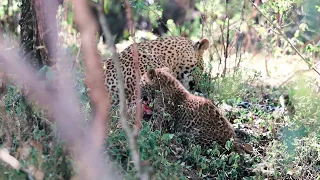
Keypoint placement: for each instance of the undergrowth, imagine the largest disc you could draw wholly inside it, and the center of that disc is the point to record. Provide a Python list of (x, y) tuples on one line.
[(285, 148)]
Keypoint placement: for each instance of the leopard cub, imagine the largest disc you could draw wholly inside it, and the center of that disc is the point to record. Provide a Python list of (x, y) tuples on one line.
[(193, 116)]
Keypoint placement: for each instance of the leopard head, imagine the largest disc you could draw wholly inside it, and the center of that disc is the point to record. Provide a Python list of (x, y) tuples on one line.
[(200, 47)]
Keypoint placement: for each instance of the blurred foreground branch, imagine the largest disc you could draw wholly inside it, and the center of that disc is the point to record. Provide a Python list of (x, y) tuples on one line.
[(94, 80), (122, 97), (94, 74), (63, 103)]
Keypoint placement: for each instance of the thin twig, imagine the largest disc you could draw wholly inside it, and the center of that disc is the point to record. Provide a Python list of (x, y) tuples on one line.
[(289, 77), (77, 58), (159, 18), (137, 69), (281, 33), (226, 41), (239, 46), (143, 174), (226, 55), (122, 97)]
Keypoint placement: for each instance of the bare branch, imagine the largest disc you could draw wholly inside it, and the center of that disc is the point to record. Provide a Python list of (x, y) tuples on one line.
[(284, 36), (136, 158), (122, 97), (137, 69)]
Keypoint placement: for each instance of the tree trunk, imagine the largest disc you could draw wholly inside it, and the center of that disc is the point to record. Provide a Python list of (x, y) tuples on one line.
[(38, 42), (37, 29)]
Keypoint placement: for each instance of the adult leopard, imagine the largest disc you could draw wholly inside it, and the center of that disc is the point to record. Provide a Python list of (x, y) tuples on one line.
[(180, 54)]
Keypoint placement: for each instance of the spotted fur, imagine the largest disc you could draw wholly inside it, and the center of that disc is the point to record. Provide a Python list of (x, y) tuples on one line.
[(192, 116), (179, 54)]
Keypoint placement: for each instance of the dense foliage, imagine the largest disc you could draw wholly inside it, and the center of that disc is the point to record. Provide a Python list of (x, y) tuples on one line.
[(285, 146)]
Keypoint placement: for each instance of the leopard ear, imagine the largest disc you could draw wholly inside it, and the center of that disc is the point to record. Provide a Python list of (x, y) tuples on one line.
[(151, 73), (204, 44)]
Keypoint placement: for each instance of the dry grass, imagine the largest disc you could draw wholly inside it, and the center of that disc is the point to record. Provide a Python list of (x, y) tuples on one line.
[(281, 69)]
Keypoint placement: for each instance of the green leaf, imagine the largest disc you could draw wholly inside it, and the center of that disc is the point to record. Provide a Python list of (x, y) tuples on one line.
[(167, 136), (230, 159), (152, 143), (233, 173), (51, 75), (303, 26), (309, 47), (228, 145), (42, 71)]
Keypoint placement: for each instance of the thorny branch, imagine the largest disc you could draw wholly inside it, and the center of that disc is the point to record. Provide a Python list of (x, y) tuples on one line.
[(123, 105), (284, 36)]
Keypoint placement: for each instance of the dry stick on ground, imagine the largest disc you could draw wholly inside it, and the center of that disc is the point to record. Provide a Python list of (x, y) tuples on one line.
[(284, 36), (13, 162), (123, 105)]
